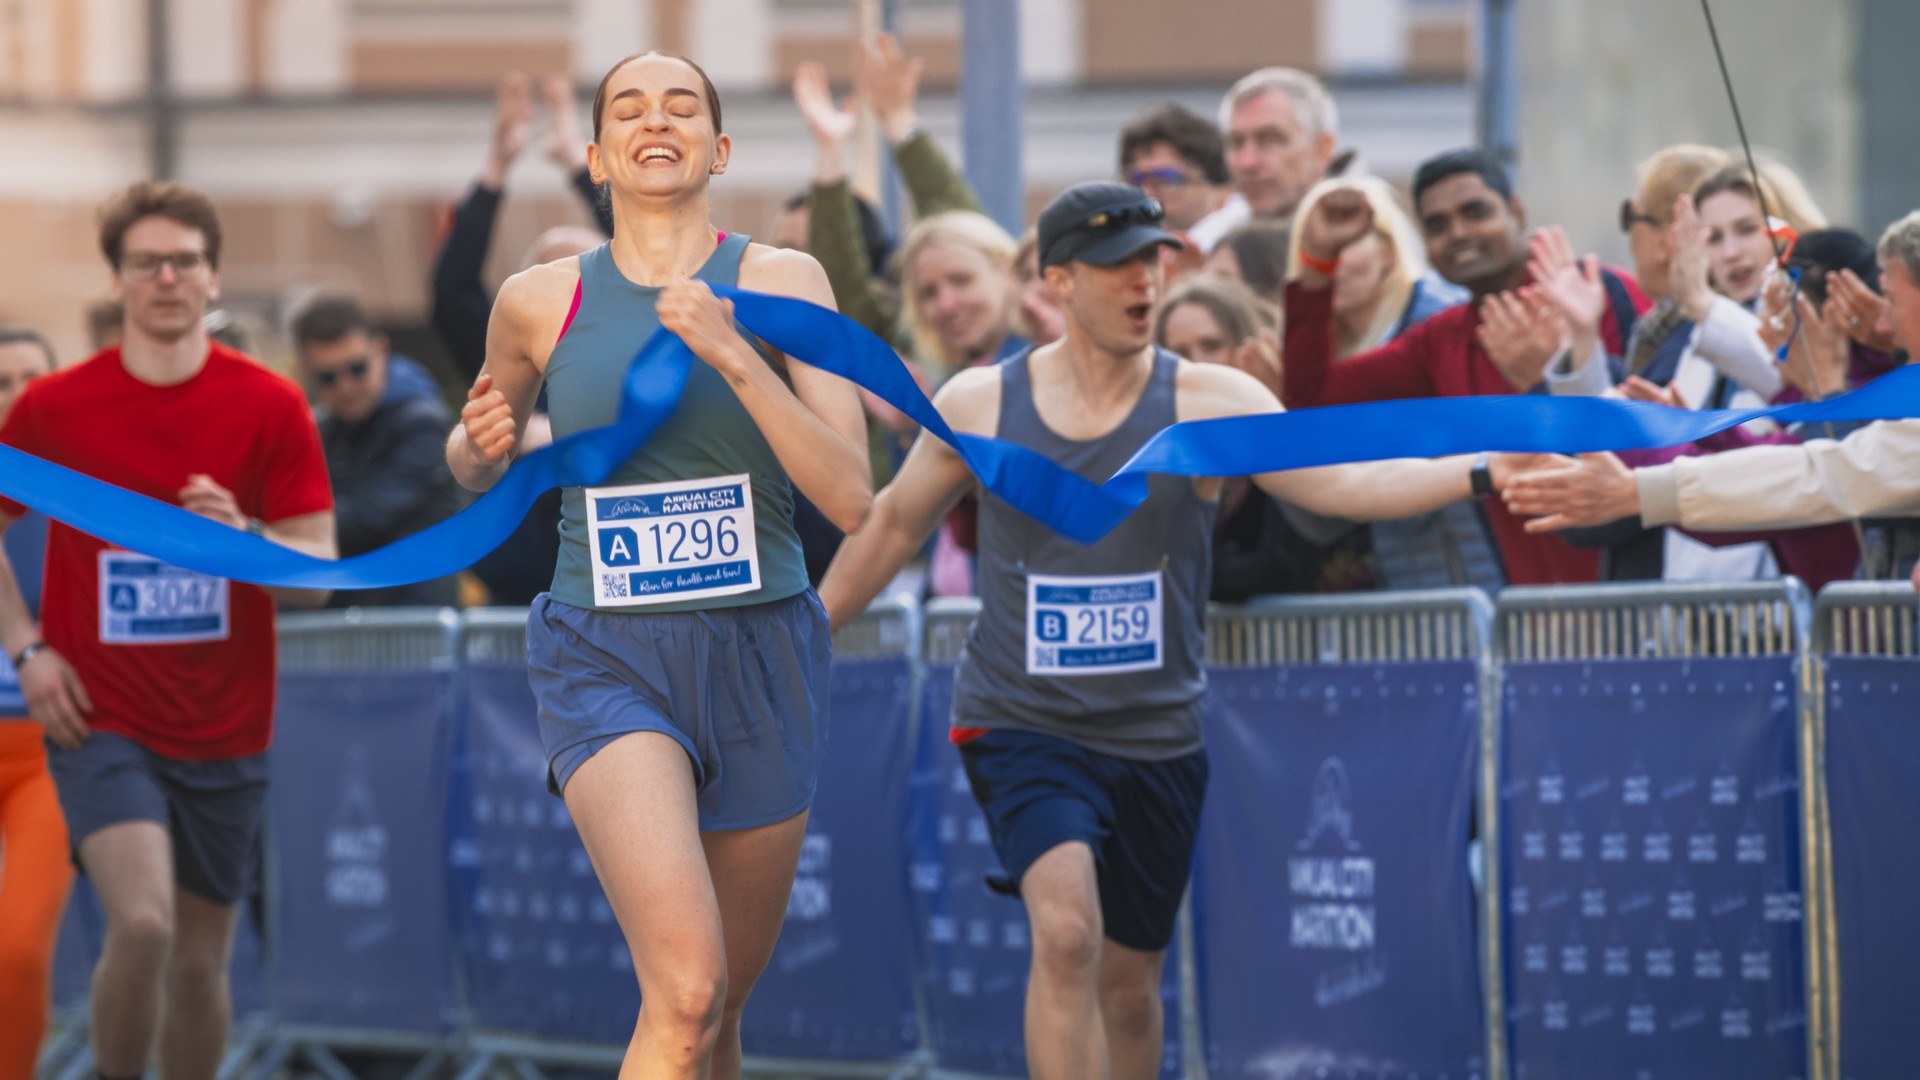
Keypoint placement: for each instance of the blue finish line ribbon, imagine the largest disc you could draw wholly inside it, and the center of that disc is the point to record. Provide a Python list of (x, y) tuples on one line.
[(1062, 500)]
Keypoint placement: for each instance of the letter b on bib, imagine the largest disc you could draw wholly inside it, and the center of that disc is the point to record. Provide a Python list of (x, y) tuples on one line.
[(1050, 625)]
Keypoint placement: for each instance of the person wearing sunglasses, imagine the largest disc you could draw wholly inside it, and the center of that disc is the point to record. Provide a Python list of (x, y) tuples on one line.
[(1077, 701), (383, 426), (1177, 157)]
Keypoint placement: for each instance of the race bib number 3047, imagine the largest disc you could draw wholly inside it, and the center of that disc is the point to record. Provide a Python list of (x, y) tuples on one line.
[(144, 601), (1094, 625), (682, 540)]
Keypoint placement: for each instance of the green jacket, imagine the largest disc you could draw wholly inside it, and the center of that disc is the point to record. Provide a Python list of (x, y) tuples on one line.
[(833, 232)]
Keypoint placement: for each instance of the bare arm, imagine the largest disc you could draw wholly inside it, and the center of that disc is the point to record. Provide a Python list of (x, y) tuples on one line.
[(55, 698), (532, 302), (312, 534), (817, 429), (1364, 491), (930, 482)]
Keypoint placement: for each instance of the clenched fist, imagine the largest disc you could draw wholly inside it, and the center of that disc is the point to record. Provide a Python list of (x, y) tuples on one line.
[(488, 421)]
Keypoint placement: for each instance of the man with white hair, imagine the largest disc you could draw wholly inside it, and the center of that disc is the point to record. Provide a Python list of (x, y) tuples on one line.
[(1281, 131), (1869, 473)]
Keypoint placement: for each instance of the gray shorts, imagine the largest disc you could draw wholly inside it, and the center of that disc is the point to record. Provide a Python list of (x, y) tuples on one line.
[(211, 809), (743, 691)]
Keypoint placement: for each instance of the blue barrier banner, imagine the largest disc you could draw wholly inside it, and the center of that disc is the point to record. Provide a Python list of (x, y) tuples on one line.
[(82, 929), (840, 984), (12, 703), (357, 806), (975, 949), (1332, 898), (543, 956), (1873, 754), (1651, 835)]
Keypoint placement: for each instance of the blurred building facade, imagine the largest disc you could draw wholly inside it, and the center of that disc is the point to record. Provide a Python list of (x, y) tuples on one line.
[(336, 134)]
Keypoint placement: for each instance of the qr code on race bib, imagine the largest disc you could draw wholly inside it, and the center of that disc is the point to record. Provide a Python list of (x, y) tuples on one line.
[(1046, 655), (613, 585)]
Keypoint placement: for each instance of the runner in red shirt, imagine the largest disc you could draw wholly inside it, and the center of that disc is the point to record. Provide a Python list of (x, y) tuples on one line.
[(155, 685)]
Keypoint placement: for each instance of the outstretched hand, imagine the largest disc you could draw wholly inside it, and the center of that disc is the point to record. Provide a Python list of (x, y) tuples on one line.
[(888, 80), (827, 122), (1522, 332), (512, 127), (1596, 489)]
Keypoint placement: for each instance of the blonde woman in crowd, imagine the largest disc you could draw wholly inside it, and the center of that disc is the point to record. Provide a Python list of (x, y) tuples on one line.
[(1383, 285), (959, 293)]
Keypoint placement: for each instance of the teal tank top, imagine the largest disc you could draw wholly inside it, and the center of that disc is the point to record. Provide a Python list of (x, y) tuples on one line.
[(709, 435)]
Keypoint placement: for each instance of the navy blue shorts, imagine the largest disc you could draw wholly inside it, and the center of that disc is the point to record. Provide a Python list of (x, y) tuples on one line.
[(1140, 818), (212, 810), (743, 690)]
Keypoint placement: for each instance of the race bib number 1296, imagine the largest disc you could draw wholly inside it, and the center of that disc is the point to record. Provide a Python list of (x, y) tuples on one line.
[(682, 540), (1094, 625)]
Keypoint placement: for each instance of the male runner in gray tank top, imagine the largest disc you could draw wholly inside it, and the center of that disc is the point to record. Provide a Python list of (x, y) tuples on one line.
[(1077, 701)]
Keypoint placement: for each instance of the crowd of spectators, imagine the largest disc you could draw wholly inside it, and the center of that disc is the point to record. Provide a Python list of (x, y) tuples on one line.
[(1741, 293)]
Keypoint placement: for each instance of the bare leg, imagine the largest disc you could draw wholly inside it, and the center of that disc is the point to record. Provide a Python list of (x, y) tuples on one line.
[(198, 1008), (131, 866), (1065, 1037), (633, 803), (752, 877), (1131, 1011)]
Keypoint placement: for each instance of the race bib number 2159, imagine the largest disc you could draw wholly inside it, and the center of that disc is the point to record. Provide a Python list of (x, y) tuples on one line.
[(1094, 625)]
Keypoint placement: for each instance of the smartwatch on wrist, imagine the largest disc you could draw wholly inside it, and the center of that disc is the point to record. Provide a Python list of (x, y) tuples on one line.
[(1481, 476)]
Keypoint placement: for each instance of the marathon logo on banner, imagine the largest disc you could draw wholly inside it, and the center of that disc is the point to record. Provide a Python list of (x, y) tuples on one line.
[(682, 540), (1332, 885), (810, 937)]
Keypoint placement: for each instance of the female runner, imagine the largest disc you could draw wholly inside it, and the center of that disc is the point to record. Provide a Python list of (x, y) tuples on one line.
[(680, 660)]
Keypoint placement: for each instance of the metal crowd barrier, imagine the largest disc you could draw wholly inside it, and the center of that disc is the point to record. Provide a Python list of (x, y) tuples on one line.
[(1666, 771), (1356, 701), (1866, 751), (1351, 628), (1663, 729), (359, 944)]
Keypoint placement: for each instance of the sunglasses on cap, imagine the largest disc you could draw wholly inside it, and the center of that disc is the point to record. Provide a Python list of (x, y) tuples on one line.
[(1629, 217), (1163, 175), (1144, 212), (352, 369)]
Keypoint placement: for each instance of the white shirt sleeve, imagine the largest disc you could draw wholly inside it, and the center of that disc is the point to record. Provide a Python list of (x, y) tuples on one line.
[(1729, 339), (1590, 379), (1870, 473)]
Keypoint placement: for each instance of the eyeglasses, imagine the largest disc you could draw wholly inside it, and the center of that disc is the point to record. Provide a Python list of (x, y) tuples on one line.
[(145, 265), (1147, 212), (1161, 176), (1629, 217), (352, 369)]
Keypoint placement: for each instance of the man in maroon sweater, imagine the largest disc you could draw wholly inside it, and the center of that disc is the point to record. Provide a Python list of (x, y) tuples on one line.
[(1475, 229)]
